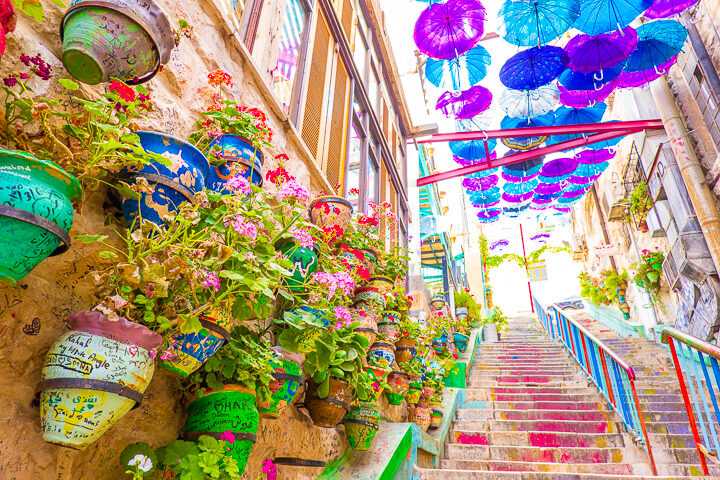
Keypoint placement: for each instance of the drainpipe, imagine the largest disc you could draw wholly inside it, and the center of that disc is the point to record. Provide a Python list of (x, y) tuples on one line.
[(702, 199)]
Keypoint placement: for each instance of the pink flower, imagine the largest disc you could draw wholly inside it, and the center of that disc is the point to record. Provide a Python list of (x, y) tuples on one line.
[(303, 238), (376, 386), (242, 227), (293, 189), (269, 469), (343, 314), (334, 281), (211, 281), (153, 353), (228, 437), (240, 185)]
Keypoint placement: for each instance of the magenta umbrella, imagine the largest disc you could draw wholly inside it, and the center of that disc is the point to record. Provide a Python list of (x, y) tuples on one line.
[(446, 30), (481, 183), (639, 79), (668, 8), (593, 53), (466, 103), (550, 188), (555, 171), (585, 98), (590, 157), (465, 163)]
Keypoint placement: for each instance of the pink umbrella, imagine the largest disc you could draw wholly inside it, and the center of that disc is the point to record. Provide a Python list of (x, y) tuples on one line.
[(466, 103), (668, 8), (639, 79), (446, 30), (585, 98), (465, 163)]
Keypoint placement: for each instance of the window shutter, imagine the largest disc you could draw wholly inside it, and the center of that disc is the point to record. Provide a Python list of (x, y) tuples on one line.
[(315, 100), (335, 166), (347, 19)]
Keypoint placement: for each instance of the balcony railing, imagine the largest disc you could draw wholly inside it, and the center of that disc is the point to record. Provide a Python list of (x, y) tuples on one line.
[(693, 358), (613, 377)]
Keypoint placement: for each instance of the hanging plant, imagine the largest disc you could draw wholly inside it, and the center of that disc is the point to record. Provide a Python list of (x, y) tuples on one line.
[(649, 271)]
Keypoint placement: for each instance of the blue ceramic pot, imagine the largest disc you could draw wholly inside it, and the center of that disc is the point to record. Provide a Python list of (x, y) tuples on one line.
[(461, 341), (240, 155), (173, 185), (385, 352), (220, 174)]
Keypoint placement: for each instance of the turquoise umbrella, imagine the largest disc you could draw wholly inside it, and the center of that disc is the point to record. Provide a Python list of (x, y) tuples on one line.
[(603, 16), (536, 22)]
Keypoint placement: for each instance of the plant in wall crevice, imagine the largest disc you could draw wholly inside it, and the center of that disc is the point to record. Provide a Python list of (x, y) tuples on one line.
[(649, 271)]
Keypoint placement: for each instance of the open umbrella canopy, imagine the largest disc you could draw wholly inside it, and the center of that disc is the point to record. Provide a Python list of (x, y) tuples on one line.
[(525, 143), (575, 116), (588, 54), (485, 197), (461, 72), (520, 197), (658, 43), (586, 98), (489, 215), (464, 162), (590, 170), (521, 171), (499, 245), (533, 68), (445, 30), (642, 78), (591, 157), (555, 171), (516, 187), (572, 80), (466, 103), (550, 188), (530, 103), (603, 16), (480, 183), (536, 22), (484, 173), (472, 150), (668, 8)]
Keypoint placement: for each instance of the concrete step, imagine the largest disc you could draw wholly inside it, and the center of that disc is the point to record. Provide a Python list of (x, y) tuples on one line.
[(538, 397), (496, 466), (544, 454), (576, 382), (553, 405), (577, 415), (426, 474), (540, 389), (572, 426), (538, 439)]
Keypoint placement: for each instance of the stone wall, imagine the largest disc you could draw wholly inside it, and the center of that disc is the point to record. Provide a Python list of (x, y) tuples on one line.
[(32, 314)]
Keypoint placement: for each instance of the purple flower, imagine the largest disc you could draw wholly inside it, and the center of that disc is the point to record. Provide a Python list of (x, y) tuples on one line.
[(335, 281), (293, 189), (304, 238), (343, 315), (10, 81), (211, 281), (242, 227), (239, 184)]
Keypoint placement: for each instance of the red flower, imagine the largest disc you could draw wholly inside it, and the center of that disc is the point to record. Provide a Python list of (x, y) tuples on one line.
[(278, 176), (123, 91), (358, 254), (363, 272), (367, 220), (354, 191), (282, 158), (219, 78)]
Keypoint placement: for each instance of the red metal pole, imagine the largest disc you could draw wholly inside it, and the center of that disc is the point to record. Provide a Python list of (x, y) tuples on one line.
[(644, 429), (587, 359), (607, 376), (686, 399), (527, 273)]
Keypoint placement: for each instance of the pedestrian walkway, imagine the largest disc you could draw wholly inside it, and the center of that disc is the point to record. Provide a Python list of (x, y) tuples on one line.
[(531, 413)]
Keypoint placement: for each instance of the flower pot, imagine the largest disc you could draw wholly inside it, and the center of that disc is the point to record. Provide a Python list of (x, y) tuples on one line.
[(307, 343), (370, 259), (439, 346), (191, 350), (369, 297), (391, 331), (230, 409), (461, 341), (490, 333), (36, 212), (437, 301), (384, 284), (420, 416), (653, 276), (172, 185), (461, 313), (233, 148), (220, 174), (93, 375), (383, 353), (286, 382), (305, 263), (436, 416), (330, 212), (125, 39), (427, 392), (405, 349), (368, 326), (399, 386), (643, 226), (390, 316), (361, 425), (379, 374), (414, 393), (329, 411)]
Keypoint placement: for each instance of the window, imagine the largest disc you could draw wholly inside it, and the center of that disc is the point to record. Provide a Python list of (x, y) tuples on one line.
[(360, 55), (352, 179), (291, 37), (372, 181), (373, 90), (707, 100)]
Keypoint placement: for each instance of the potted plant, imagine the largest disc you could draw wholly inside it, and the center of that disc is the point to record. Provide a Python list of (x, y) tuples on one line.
[(399, 386), (649, 270), (389, 325), (415, 371), (285, 385), (331, 214), (639, 203), (375, 375), (464, 301), (361, 425), (461, 336)]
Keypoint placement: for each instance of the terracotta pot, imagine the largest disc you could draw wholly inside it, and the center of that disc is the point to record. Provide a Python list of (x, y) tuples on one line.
[(382, 352), (329, 411), (420, 416), (305, 263), (370, 298), (414, 393), (643, 226), (361, 425), (399, 386), (36, 212), (370, 259), (191, 350), (368, 326), (93, 375), (284, 387), (380, 375), (331, 212), (231, 409), (428, 391), (436, 416), (125, 39), (405, 349), (384, 284)]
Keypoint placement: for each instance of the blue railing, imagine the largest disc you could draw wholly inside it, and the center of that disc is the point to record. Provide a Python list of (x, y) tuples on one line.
[(614, 378), (693, 358)]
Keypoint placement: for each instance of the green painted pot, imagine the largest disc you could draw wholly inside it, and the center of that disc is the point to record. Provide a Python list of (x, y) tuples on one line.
[(399, 386), (361, 425), (93, 375), (230, 409), (286, 382), (378, 374), (305, 263), (414, 393), (461, 341), (370, 259), (436, 416), (36, 212)]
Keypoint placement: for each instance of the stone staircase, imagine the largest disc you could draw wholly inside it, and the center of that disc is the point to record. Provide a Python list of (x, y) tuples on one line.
[(532, 414)]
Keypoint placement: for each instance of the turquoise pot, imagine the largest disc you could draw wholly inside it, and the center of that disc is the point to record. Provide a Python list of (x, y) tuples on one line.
[(461, 341), (305, 263), (36, 212)]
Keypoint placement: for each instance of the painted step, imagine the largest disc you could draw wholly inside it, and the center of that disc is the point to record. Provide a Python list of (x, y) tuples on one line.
[(577, 382), (570, 426), (426, 474), (538, 397), (537, 439), (543, 454), (523, 378), (578, 415), (540, 389), (509, 466), (557, 405)]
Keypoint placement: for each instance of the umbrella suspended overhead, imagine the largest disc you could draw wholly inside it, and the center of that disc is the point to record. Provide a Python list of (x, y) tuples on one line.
[(572, 80), (530, 103), (485, 197), (517, 198), (479, 183), (458, 73), (489, 215), (533, 68), (464, 162), (522, 170), (478, 122), (525, 143), (520, 186), (588, 54), (575, 116), (603, 16), (586, 98), (536, 22), (500, 244), (590, 170), (658, 43), (642, 78), (555, 171), (466, 103), (668, 8), (550, 188), (591, 157), (484, 173), (446, 30)]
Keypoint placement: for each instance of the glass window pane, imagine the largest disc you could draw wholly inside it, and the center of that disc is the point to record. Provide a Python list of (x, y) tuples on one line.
[(372, 173), (354, 162), (360, 56), (373, 90), (290, 39)]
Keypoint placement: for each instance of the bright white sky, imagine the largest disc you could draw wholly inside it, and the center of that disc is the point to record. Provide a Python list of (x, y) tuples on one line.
[(400, 18)]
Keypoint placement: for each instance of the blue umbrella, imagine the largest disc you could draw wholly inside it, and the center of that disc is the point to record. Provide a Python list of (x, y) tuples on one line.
[(458, 73), (590, 81), (472, 150), (521, 187), (522, 170), (525, 143), (658, 42), (589, 171), (485, 197), (533, 68), (576, 116), (602, 16), (484, 173), (536, 22)]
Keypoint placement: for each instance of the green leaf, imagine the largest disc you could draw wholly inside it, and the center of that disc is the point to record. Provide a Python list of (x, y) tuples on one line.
[(91, 238), (68, 84), (231, 275), (59, 3), (324, 388), (336, 372), (139, 448), (178, 450), (207, 443), (107, 254), (191, 324), (32, 8), (127, 192)]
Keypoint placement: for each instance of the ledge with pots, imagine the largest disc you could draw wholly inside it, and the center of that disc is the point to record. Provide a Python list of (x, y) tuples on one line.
[(464, 362)]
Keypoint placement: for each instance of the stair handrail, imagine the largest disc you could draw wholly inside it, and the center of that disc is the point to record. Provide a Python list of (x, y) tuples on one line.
[(686, 366), (612, 375)]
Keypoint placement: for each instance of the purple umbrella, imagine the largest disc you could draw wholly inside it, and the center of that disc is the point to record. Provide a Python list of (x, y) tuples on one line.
[(542, 199), (585, 98), (590, 157), (550, 188), (592, 53), (499, 244), (639, 79), (465, 163), (446, 30), (489, 213), (557, 170), (668, 8), (465, 104), (582, 180), (540, 237), (510, 198), (482, 183), (517, 176), (563, 209)]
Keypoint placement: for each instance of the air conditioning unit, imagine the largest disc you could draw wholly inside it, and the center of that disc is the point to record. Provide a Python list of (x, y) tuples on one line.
[(690, 258)]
